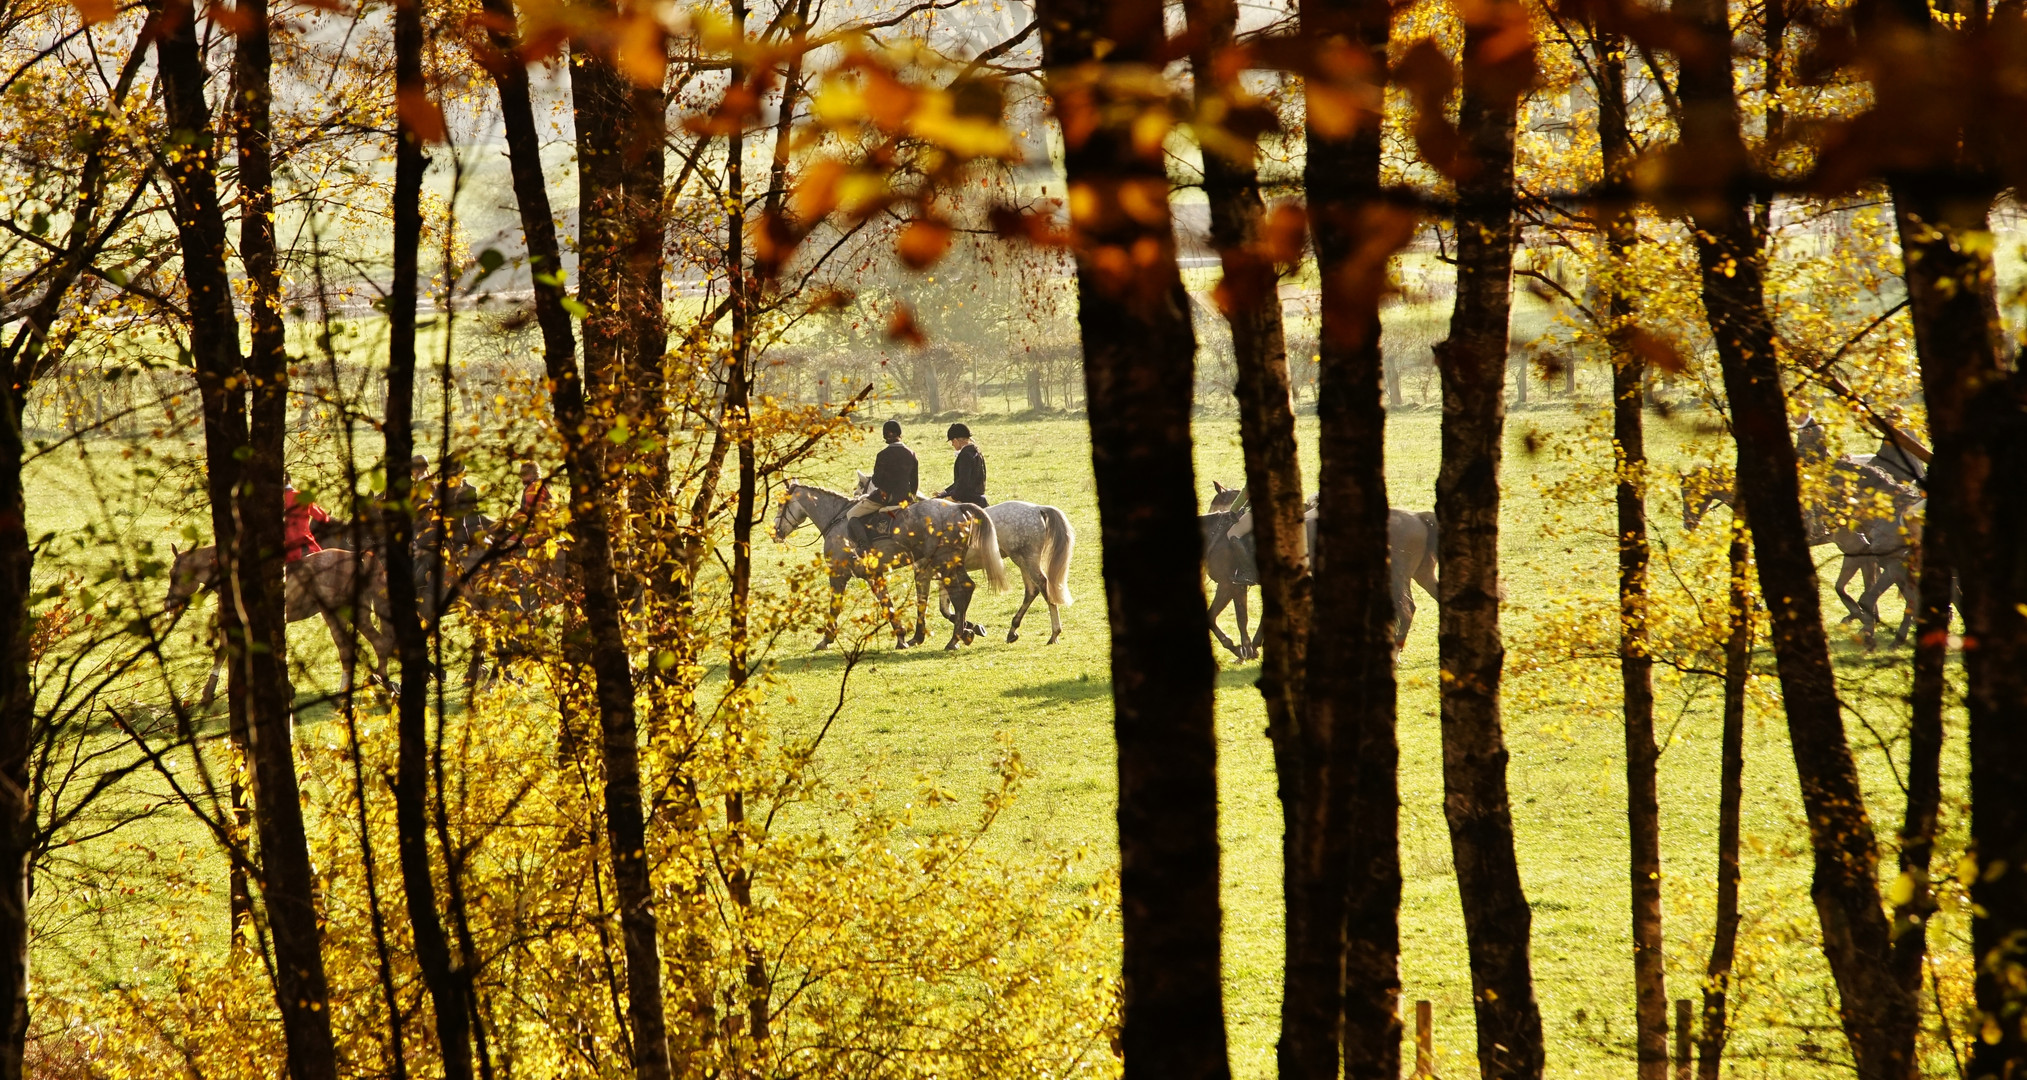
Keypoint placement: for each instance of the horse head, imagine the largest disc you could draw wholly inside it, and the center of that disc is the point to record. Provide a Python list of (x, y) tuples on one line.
[(864, 486), (1701, 490), (192, 572), (792, 514)]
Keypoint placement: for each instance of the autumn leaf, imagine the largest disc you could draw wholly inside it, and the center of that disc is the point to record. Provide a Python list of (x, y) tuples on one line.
[(95, 11), (1655, 350), (421, 115), (922, 242), (902, 328), (229, 19), (640, 50)]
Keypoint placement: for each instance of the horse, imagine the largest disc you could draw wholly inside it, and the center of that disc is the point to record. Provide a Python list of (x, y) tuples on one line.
[(1411, 560), (1229, 566), (336, 584), (1037, 539), (1872, 529), (942, 538)]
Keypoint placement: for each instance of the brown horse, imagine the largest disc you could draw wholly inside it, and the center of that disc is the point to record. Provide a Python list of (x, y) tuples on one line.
[(345, 588)]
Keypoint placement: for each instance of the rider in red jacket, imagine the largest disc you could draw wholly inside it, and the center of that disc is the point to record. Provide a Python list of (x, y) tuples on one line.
[(299, 518)]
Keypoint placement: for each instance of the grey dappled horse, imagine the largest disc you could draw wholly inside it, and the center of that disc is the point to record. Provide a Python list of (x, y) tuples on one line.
[(941, 538), (1036, 538), (346, 588), (1411, 560), (1867, 512)]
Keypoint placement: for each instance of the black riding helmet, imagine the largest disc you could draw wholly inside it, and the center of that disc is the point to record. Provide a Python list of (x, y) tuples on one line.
[(957, 431), (892, 430)]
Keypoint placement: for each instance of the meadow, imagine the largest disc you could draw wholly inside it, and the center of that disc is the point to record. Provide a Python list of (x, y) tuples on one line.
[(930, 717)]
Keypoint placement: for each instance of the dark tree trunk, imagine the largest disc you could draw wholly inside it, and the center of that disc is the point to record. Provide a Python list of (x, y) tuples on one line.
[(1250, 296), (1924, 764), (1879, 1018), (405, 579), (1977, 426), (1738, 648), (17, 727), (1347, 852), (250, 611), (591, 555), (1636, 666), (1139, 351), (20, 366), (1497, 921)]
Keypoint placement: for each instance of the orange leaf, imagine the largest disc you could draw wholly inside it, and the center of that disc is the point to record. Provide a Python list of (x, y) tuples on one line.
[(229, 19), (420, 115), (1656, 350), (902, 328), (96, 11), (1284, 233), (640, 51), (922, 242)]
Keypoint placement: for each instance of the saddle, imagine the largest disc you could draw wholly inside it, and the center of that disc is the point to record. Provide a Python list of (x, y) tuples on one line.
[(875, 526)]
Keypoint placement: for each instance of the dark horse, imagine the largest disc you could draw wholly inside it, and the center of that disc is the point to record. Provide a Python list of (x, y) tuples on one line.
[(938, 536)]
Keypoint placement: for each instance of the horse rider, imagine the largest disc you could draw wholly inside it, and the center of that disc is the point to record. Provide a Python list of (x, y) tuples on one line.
[(534, 492), (1246, 571), (895, 476), (458, 501), (967, 485), (300, 517)]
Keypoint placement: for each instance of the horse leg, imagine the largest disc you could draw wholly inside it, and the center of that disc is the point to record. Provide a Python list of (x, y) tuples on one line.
[(878, 584), (923, 583), (1249, 649), (960, 587), (1853, 566), (1013, 632), (1218, 602), (830, 627), (348, 657)]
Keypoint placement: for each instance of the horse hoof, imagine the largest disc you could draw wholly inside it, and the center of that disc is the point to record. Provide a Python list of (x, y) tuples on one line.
[(824, 644), (1012, 636), (1053, 637)]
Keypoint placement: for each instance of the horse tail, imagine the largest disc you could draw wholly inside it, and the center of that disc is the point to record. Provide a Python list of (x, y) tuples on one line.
[(985, 542), (1059, 540)]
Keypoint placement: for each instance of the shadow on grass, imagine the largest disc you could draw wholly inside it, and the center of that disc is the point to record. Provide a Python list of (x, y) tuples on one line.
[(1090, 687)]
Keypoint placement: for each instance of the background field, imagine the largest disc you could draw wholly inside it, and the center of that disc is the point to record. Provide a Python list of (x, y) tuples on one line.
[(925, 713)]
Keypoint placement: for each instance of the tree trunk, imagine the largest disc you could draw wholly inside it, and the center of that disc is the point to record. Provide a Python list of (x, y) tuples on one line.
[(1975, 425), (21, 362), (1473, 363), (250, 611), (405, 579), (1636, 667), (1311, 1003), (1349, 847), (1730, 796), (1139, 350), (591, 554), (1879, 1019)]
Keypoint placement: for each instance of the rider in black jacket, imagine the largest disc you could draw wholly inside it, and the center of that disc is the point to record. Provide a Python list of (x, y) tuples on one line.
[(968, 483), (896, 474)]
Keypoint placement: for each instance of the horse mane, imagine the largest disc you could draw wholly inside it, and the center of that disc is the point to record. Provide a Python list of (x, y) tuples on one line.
[(824, 490)]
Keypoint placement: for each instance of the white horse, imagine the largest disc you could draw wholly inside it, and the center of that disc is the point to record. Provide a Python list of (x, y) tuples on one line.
[(1036, 538)]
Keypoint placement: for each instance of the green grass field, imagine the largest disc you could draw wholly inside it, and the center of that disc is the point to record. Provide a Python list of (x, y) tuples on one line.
[(928, 712)]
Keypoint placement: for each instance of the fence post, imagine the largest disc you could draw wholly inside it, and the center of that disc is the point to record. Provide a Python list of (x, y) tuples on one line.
[(1425, 1044), (1682, 1025)]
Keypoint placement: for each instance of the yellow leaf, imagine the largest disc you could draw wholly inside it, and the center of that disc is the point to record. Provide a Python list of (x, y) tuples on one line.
[(95, 11)]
